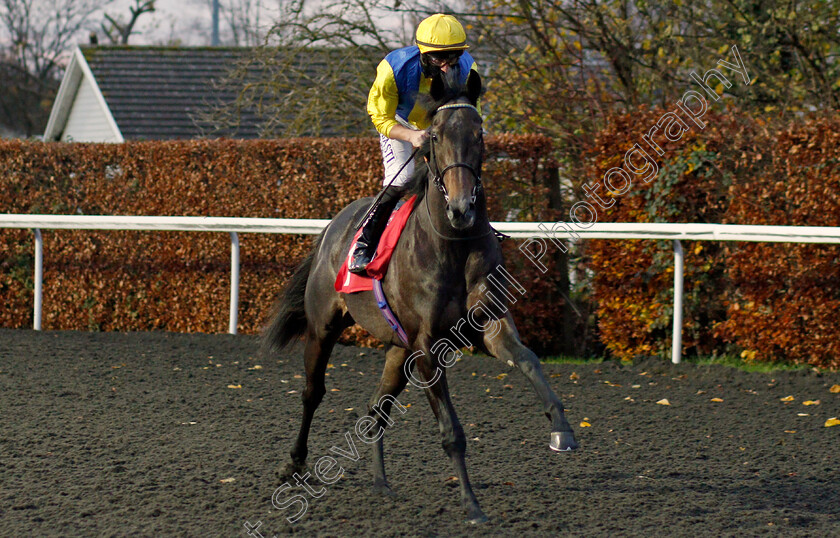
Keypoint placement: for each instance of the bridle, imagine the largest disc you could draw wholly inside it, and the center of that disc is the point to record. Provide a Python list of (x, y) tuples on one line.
[(437, 178), (437, 174)]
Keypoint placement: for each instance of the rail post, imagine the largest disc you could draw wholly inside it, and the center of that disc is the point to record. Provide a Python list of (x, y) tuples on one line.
[(39, 279), (676, 339), (234, 282)]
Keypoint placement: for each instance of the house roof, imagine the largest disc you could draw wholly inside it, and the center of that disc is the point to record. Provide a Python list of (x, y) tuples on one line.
[(164, 93), (159, 92)]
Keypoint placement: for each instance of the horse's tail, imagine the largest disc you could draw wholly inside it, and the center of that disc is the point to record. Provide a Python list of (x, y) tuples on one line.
[(289, 317)]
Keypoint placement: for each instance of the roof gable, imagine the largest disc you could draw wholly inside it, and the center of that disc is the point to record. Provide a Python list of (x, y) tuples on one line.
[(92, 112)]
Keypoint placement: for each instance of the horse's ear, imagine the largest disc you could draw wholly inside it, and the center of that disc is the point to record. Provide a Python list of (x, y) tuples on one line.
[(473, 86), (438, 88)]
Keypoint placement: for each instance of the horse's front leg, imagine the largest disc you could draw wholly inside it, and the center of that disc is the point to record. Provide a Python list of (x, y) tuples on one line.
[(503, 342), (433, 376)]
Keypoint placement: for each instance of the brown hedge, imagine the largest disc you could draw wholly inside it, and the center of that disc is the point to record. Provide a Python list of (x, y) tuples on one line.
[(786, 297), (179, 281), (771, 301)]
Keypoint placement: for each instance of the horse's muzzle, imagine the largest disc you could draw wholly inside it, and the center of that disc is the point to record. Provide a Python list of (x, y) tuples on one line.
[(461, 214)]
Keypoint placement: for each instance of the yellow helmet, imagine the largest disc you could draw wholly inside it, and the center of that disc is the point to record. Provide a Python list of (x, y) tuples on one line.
[(439, 33)]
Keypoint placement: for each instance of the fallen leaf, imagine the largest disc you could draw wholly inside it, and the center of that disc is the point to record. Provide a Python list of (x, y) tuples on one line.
[(834, 421), (664, 401), (811, 402), (585, 424), (803, 415), (574, 376), (790, 431), (234, 386), (348, 408), (256, 367), (227, 480), (507, 483), (334, 390), (835, 389), (717, 399), (501, 376), (787, 399)]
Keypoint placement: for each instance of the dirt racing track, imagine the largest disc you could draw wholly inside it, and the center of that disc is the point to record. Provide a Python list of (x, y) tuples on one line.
[(157, 434)]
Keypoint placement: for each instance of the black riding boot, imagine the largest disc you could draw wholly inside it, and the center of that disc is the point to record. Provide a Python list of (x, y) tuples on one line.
[(372, 230)]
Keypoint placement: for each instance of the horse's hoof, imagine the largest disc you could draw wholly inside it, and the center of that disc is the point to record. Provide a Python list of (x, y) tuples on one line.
[(477, 518), (382, 488), (287, 472), (563, 441)]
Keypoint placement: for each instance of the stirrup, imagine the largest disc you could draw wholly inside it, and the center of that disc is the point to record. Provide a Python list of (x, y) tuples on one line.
[(359, 261), (363, 253)]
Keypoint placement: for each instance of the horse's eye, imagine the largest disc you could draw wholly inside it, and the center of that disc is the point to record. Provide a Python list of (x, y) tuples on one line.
[(434, 136)]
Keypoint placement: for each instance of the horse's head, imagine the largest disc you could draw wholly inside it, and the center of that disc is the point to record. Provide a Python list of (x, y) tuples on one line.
[(456, 149)]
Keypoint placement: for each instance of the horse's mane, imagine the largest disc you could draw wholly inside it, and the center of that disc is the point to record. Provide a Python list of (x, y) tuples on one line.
[(420, 179)]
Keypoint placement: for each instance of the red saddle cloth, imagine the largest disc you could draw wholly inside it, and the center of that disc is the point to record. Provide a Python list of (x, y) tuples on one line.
[(347, 282)]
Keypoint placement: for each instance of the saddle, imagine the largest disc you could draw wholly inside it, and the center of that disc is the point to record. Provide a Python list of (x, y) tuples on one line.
[(347, 282)]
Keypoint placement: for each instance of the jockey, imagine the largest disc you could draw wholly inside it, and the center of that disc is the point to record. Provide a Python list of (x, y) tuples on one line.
[(439, 50)]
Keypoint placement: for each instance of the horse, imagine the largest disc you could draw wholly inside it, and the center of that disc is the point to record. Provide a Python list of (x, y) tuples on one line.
[(439, 284)]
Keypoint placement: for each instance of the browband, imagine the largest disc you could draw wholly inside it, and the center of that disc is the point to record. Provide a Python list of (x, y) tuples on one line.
[(458, 105)]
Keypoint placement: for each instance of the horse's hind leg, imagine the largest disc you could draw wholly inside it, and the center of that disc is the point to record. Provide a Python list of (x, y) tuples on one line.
[(319, 345), (391, 384), (454, 440)]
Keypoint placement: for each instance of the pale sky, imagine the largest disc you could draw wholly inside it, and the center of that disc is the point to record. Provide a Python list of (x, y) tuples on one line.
[(187, 20)]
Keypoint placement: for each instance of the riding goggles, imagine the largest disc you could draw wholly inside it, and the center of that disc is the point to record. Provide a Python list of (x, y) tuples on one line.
[(446, 57)]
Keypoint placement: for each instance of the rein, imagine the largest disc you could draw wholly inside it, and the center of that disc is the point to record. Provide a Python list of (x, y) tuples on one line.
[(437, 178)]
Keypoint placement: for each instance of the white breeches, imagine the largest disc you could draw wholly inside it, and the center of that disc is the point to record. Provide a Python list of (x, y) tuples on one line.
[(394, 155)]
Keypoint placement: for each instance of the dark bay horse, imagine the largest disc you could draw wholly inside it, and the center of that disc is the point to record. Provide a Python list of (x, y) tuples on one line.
[(440, 284)]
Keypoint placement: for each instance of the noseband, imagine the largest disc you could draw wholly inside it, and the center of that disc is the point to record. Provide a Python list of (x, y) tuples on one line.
[(438, 174)]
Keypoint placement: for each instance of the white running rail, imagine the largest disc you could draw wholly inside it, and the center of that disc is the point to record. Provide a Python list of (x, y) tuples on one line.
[(519, 230)]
